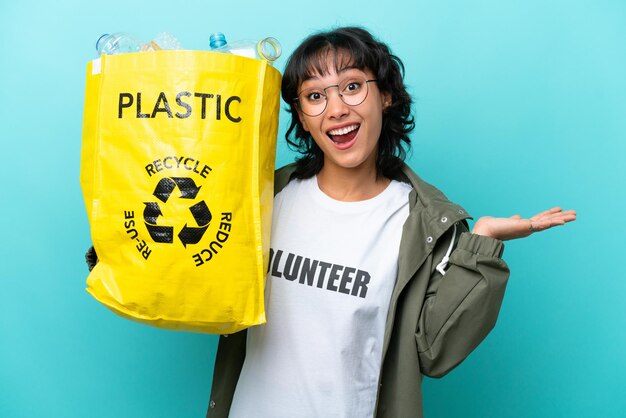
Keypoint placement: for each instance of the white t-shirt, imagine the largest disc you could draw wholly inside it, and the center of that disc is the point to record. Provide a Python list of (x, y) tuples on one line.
[(331, 274)]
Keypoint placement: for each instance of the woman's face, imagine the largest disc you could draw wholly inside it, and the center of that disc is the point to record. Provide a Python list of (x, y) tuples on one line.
[(347, 135)]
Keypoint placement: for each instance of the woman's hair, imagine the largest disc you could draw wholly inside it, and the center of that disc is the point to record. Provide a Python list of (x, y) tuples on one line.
[(353, 47)]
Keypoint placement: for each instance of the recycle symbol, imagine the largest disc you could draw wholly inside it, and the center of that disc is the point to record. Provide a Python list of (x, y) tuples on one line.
[(200, 212)]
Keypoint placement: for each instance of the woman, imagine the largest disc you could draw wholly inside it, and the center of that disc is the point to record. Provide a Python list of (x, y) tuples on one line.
[(374, 277)]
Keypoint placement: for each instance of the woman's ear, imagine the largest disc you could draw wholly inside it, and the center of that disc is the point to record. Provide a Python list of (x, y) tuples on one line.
[(386, 100)]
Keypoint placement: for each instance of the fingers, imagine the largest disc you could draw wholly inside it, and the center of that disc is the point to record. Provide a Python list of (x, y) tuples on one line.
[(550, 218), (562, 217), (556, 214), (548, 212), (569, 215), (547, 222)]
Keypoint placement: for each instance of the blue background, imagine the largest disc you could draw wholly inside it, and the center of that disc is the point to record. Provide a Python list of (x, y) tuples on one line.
[(520, 105)]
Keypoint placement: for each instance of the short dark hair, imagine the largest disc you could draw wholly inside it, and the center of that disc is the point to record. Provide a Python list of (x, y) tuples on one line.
[(362, 51)]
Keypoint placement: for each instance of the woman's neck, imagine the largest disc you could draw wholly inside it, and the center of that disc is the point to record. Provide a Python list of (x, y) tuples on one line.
[(351, 184)]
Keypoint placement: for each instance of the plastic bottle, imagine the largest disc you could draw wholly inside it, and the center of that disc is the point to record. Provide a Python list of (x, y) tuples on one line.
[(117, 43), (267, 49), (122, 42), (163, 40)]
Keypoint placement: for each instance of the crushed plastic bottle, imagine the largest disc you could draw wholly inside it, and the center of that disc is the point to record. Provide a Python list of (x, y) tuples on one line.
[(117, 43), (163, 40), (123, 42), (267, 49)]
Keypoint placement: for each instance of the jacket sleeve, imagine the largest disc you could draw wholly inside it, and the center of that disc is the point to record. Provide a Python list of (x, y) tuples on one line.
[(231, 353), (461, 307)]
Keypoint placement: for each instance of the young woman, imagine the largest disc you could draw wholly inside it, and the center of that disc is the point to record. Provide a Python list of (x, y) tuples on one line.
[(374, 278)]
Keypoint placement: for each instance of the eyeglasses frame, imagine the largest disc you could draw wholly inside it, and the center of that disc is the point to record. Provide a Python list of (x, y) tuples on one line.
[(297, 99)]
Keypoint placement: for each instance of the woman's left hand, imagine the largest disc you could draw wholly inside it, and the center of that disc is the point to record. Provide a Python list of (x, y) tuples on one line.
[(518, 227)]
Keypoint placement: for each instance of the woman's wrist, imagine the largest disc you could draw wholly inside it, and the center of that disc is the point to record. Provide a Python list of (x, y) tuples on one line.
[(480, 229)]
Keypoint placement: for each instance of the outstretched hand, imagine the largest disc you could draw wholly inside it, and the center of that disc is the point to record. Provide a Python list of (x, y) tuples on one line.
[(518, 227)]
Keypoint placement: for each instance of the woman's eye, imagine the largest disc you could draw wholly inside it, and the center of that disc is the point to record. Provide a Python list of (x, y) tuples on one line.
[(315, 96), (353, 87)]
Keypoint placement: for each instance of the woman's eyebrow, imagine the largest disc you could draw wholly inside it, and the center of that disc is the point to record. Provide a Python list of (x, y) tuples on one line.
[(339, 72), (347, 68), (309, 78)]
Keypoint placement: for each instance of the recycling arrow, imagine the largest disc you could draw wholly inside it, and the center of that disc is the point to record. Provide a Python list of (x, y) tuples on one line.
[(151, 212), (158, 233), (164, 189), (202, 215), (186, 185), (200, 212)]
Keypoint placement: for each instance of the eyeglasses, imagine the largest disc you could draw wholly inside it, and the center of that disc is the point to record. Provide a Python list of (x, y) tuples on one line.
[(353, 91)]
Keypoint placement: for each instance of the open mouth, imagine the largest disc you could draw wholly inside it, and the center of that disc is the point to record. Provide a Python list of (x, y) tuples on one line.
[(345, 134)]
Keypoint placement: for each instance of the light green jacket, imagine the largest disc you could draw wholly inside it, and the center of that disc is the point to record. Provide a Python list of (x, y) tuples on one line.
[(434, 320)]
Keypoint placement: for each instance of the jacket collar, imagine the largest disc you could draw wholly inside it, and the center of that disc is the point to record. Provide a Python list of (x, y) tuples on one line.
[(431, 214), (440, 212)]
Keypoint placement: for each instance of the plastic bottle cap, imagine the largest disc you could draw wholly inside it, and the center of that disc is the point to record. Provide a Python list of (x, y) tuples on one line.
[(217, 40), (269, 48)]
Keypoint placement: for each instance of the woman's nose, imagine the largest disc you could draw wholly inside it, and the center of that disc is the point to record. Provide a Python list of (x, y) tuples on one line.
[(335, 107)]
